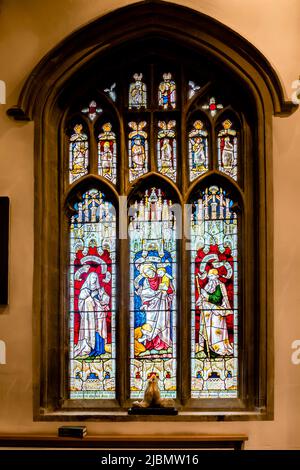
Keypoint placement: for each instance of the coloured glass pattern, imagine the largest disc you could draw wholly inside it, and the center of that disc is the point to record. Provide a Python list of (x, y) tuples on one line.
[(78, 154), (153, 280), (107, 153), (92, 305), (167, 92), (214, 296), (198, 150), (137, 150), (228, 150), (137, 93)]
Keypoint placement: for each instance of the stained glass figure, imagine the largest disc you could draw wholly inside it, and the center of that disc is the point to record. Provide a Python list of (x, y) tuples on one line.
[(92, 298), (166, 149), (78, 154), (111, 91), (137, 150), (214, 281), (198, 150), (193, 88), (92, 110), (167, 92), (107, 153), (137, 93), (228, 150), (153, 272), (212, 107)]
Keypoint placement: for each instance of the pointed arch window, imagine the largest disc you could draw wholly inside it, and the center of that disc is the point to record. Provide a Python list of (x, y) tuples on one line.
[(177, 139), (78, 153)]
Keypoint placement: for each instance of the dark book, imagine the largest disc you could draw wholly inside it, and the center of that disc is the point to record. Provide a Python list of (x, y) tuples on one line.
[(72, 431)]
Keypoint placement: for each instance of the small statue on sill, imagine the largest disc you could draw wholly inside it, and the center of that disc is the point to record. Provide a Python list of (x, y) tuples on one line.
[(152, 396)]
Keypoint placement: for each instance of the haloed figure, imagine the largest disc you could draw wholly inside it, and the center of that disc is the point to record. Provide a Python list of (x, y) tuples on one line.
[(107, 157), (214, 307), (138, 154), (227, 154), (166, 155), (198, 153), (93, 305)]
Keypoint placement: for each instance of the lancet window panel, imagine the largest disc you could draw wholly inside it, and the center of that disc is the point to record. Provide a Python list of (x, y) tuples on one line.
[(154, 135), (107, 152), (137, 95), (167, 149), (167, 92), (198, 149), (78, 152), (214, 295), (92, 298), (153, 286), (138, 149)]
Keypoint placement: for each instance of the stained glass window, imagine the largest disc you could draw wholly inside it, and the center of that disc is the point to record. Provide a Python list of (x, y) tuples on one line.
[(107, 153), (214, 281), (166, 149), (167, 92), (137, 93), (198, 150), (78, 154), (228, 149), (137, 150), (153, 273), (92, 298)]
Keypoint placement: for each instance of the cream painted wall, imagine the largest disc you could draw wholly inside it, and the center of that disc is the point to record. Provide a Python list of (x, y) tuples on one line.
[(28, 30)]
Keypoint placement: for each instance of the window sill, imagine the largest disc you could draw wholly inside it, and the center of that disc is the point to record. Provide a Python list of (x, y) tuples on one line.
[(103, 415)]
